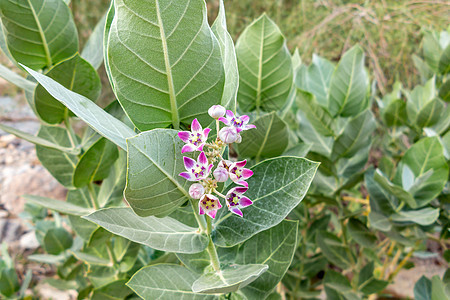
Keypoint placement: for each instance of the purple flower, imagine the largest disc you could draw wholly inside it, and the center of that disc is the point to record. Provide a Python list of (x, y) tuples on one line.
[(196, 191), (220, 174), (209, 204), (216, 111), (196, 170), (238, 122), (228, 135), (238, 173), (194, 139), (235, 200)]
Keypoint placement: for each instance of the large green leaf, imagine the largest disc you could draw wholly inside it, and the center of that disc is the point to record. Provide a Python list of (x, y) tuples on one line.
[(85, 109), (394, 189), (319, 143), (165, 62), (367, 283), (318, 78), (269, 139), (356, 135), (164, 234), (229, 279), (333, 249), (423, 156), (277, 186), (431, 49), (430, 114), (95, 163), (319, 118), (81, 197), (93, 49), (274, 247), (59, 206), (229, 59), (9, 284), (60, 164), (394, 114), (56, 240), (337, 286), (43, 35), (444, 61), (361, 234), (75, 74), (154, 162), (168, 281), (116, 290), (424, 217), (422, 289), (265, 67), (419, 97), (16, 79), (347, 96)]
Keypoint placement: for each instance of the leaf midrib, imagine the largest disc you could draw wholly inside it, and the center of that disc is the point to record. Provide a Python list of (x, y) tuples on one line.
[(42, 35)]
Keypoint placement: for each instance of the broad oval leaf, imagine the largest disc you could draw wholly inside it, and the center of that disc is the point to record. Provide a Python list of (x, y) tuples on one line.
[(165, 234), (361, 234), (154, 162), (277, 186), (43, 35), (229, 59), (102, 122), (419, 97), (174, 282), (348, 86), (394, 189), (75, 74), (60, 164), (165, 62), (269, 139), (95, 163), (275, 248), (430, 114), (422, 289), (333, 249), (394, 114), (319, 143), (425, 216), (265, 67), (318, 78), (56, 240), (229, 279)]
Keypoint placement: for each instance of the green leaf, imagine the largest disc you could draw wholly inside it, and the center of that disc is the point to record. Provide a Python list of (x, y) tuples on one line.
[(379, 221), (444, 61), (43, 35), (60, 164), (76, 75), (438, 289), (356, 135), (94, 256), (337, 281), (419, 97), (102, 122), (299, 150), (173, 282), (425, 71), (229, 59), (154, 162), (394, 189), (319, 118), (348, 85), (9, 284), (431, 49), (82, 227), (116, 290), (95, 163), (367, 283), (198, 262), (318, 78), (265, 67), (276, 187), (319, 143), (275, 248), (430, 114), (269, 139), (425, 155), (58, 205), (229, 279), (361, 234), (333, 249), (422, 289), (394, 114), (444, 91), (38, 141), (165, 62), (93, 49), (16, 79), (425, 216), (164, 234), (107, 29), (111, 190), (56, 240)]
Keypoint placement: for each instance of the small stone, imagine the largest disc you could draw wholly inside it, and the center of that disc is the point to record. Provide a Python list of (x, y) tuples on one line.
[(29, 241)]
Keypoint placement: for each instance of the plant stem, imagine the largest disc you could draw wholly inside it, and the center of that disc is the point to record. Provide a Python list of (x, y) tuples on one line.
[(211, 248), (200, 220), (217, 127), (92, 195), (72, 135)]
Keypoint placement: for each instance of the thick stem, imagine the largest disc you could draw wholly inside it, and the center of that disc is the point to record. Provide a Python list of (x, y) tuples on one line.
[(93, 196), (200, 220), (211, 248), (72, 135)]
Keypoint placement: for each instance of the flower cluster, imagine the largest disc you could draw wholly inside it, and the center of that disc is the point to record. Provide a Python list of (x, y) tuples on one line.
[(199, 171)]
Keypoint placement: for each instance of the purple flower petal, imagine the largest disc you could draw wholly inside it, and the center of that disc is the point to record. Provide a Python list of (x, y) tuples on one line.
[(240, 190), (200, 148), (247, 127), (195, 126), (188, 162), (244, 183), (202, 158), (236, 211), (201, 211), (223, 120), (247, 173), (187, 176), (241, 164), (206, 132), (212, 213), (188, 148), (245, 202), (184, 136), (245, 118), (229, 114), (209, 168)]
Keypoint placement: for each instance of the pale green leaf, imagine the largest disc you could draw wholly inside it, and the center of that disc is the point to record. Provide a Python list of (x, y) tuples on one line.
[(444, 61), (419, 97), (165, 62), (318, 78), (81, 197), (85, 109), (59, 206), (154, 187), (361, 234), (394, 114), (319, 143), (229, 279), (16, 79), (164, 234), (425, 216), (430, 114), (56, 240), (348, 85), (9, 284), (43, 35), (422, 289), (265, 67), (319, 118), (438, 290), (269, 139), (333, 249), (431, 49), (166, 281), (276, 187), (116, 290), (111, 190), (93, 49), (394, 189)]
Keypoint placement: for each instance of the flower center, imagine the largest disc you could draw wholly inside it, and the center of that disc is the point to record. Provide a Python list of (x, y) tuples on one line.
[(198, 171), (196, 139), (233, 200), (208, 203)]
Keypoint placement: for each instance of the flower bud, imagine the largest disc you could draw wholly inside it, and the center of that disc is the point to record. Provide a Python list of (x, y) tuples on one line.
[(220, 174), (228, 135), (239, 139), (216, 111), (196, 191)]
